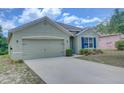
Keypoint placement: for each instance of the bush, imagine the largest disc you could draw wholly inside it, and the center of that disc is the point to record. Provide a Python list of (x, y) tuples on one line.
[(84, 51), (17, 61), (81, 51), (90, 51), (20, 61), (119, 44), (98, 51), (69, 52), (3, 52)]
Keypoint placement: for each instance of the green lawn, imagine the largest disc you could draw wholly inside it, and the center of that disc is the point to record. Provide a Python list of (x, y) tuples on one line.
[(16, 72), (111, 57)]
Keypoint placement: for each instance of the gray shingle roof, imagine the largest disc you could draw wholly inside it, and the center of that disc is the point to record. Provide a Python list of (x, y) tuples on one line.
[(70, 27)]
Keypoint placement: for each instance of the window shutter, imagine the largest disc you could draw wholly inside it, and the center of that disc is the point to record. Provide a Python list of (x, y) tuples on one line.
[(94, 42), (82, 42)]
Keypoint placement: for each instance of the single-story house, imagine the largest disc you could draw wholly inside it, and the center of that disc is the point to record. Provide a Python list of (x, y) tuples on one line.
[(46, 38), (108, 41)]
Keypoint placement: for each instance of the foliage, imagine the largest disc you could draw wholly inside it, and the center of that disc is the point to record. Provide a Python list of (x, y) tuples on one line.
[(121, 28), (114, 24), (98, 51), (68, 52), (103, 28), (119, 44), (17, 61), (81, 51), (3, 44), (115, 20), (90, 51), (84, 51)]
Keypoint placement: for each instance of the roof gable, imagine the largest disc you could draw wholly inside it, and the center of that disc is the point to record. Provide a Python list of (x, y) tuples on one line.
[(87, 29), (38, 21)]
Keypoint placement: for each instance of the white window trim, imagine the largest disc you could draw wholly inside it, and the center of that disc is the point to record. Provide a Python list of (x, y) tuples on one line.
[(90, 42)]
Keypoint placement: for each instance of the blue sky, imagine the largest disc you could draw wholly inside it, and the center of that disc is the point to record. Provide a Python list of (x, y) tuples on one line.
[(80, 17)]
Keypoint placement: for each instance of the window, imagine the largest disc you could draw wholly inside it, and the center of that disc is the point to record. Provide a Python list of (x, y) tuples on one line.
[(91, 42), (88, 42), (17, 41)]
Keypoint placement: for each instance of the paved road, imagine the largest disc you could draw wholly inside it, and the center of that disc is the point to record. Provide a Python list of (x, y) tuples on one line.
[(69, 70)]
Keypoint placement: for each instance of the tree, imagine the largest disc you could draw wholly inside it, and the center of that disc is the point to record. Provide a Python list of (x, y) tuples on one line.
[(1, 31), (3, 43), (121, 28), (104, 27), (101, 28), (116, 20), (114, 25)]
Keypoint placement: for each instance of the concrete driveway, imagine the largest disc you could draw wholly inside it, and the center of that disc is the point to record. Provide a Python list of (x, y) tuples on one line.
[(69, 70)]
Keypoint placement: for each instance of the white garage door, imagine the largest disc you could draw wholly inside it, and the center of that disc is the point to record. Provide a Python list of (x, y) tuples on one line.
[(41, 48)]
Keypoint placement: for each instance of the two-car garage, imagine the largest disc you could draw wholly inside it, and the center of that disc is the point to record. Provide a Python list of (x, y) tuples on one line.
[(42, 48)]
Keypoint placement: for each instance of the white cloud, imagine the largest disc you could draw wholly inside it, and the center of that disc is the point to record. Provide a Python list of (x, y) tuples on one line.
[(70, 19), (65, 14), (80, 26), (51, 12), (30, 14), (3, 11), (91, 20), (67, 18), (6, 25)]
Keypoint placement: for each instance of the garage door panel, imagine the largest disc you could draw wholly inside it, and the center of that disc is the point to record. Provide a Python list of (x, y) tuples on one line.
[(33, 49)]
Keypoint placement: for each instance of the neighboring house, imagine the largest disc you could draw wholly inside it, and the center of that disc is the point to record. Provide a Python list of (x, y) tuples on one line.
[(108, 41), (46, 38)]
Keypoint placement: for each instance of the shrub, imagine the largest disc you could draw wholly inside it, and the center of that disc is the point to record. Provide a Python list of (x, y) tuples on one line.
[(90, 51), (84, 51), (17, 61), (3, 52), (98, 51), (20, 61), (119, 44), (69, 52), (81, 51)]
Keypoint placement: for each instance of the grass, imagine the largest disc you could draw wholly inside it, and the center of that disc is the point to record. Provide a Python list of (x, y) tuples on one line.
[(111, 57), (16, 72)]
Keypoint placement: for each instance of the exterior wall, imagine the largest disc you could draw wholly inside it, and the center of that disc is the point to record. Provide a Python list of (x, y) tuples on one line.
[(76, 44), (78, 41), (108, 42), (40, 29)]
